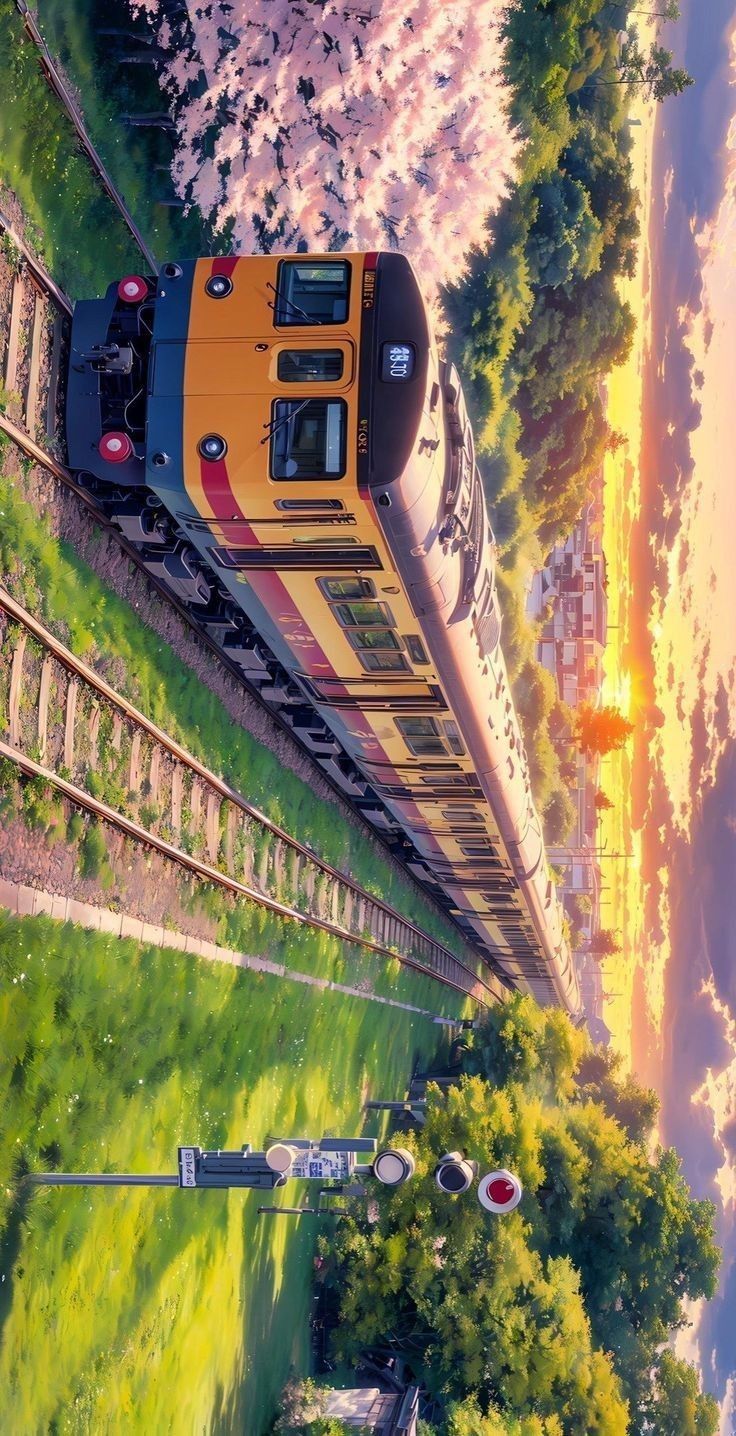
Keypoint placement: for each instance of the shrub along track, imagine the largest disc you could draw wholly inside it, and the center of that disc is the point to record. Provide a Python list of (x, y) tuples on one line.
[(66, 726)]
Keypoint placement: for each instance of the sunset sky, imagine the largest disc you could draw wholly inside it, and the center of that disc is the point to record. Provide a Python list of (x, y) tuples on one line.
[(671, 546)]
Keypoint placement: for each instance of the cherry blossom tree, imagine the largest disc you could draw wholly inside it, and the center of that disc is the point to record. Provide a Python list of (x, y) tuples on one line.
[(334, 124)]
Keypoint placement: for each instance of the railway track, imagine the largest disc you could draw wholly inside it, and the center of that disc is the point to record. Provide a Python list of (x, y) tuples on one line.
[(65, 725), (32, 336)]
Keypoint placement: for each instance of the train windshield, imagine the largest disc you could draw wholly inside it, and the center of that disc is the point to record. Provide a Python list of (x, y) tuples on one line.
[(308, 439), (312, 293)]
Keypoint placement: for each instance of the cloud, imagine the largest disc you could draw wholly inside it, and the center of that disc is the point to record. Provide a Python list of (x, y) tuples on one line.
[(727, 1424)]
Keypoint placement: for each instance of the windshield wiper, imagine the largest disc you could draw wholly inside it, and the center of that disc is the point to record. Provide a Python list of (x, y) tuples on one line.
[(275, 424), (284, 299)]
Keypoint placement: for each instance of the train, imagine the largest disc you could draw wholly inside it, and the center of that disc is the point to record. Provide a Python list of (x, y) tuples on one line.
[(283, 442)]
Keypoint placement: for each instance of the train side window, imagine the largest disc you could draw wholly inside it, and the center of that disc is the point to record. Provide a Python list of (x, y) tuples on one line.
[(365, 614), (421, 735), (416, 648), (372, 638), (312, 293), (453, 738), (462, 815), (309, 366), (383, 661), (347, 587), (308, 439)]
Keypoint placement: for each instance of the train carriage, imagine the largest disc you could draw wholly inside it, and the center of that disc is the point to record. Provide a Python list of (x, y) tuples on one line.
[(282, 439)]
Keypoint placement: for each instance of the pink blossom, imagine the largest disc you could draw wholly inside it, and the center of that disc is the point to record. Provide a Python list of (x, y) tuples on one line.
[(360, 124)]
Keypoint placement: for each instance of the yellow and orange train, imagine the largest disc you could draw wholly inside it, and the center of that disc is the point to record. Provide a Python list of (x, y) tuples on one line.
[(282, 440)]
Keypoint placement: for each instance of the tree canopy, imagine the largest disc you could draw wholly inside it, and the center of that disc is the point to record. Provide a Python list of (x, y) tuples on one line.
[(550, 1319), (342, 127), (601, 730)]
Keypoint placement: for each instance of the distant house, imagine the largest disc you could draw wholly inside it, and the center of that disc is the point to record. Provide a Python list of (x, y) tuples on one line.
[(568, 598), (385, 1413)]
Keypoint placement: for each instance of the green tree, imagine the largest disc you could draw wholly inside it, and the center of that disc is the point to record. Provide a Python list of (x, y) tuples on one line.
[(601, 730), (667, 11), (600, 1078), (601, 801), (677, 1404), (652, 69), (565, 240), (557, 1312)]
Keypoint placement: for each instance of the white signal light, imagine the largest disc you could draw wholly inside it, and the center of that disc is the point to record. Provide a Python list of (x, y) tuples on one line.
[(279, 1157), (393, 1166)]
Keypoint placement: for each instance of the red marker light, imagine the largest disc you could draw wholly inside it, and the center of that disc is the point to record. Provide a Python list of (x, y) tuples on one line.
[(499, 1191), (132, 289), (115, 448)]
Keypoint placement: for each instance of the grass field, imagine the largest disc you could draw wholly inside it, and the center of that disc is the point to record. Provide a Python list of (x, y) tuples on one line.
[(40, 161), (159, 1311)]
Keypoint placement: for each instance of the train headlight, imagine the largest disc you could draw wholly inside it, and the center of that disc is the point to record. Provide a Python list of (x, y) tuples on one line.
[(212, 447), (218, 286)]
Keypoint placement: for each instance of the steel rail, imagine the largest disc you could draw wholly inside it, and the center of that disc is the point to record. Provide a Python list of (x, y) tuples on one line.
[(213, 875), (80, 669), (71, 107), (37, 270)]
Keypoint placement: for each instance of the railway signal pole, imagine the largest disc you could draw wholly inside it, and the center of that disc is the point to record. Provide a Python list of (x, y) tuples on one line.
[(329, 1159)]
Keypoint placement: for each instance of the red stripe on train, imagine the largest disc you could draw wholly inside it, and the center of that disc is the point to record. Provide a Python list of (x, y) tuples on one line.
[(225, 265)]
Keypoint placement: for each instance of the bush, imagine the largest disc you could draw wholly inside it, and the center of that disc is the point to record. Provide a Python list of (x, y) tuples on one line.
[(93, 851)]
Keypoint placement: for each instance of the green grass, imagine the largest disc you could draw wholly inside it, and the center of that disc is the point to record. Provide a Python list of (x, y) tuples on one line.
[(55, 583), (156, 1310), (72, 224), (110, 90)]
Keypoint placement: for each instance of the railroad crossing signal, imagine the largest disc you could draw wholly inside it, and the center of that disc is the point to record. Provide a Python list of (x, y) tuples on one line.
[(335, 1160)]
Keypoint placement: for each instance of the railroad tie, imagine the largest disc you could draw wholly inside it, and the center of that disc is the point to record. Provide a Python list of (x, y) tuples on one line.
[(134, 771), (94, 732), (47, 669), (195, 803), (31, 396), (11, 353), (213, 826), (16, 684), (117, 732), (154, 774), (177, 792), (231, 829), (69, 722)]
